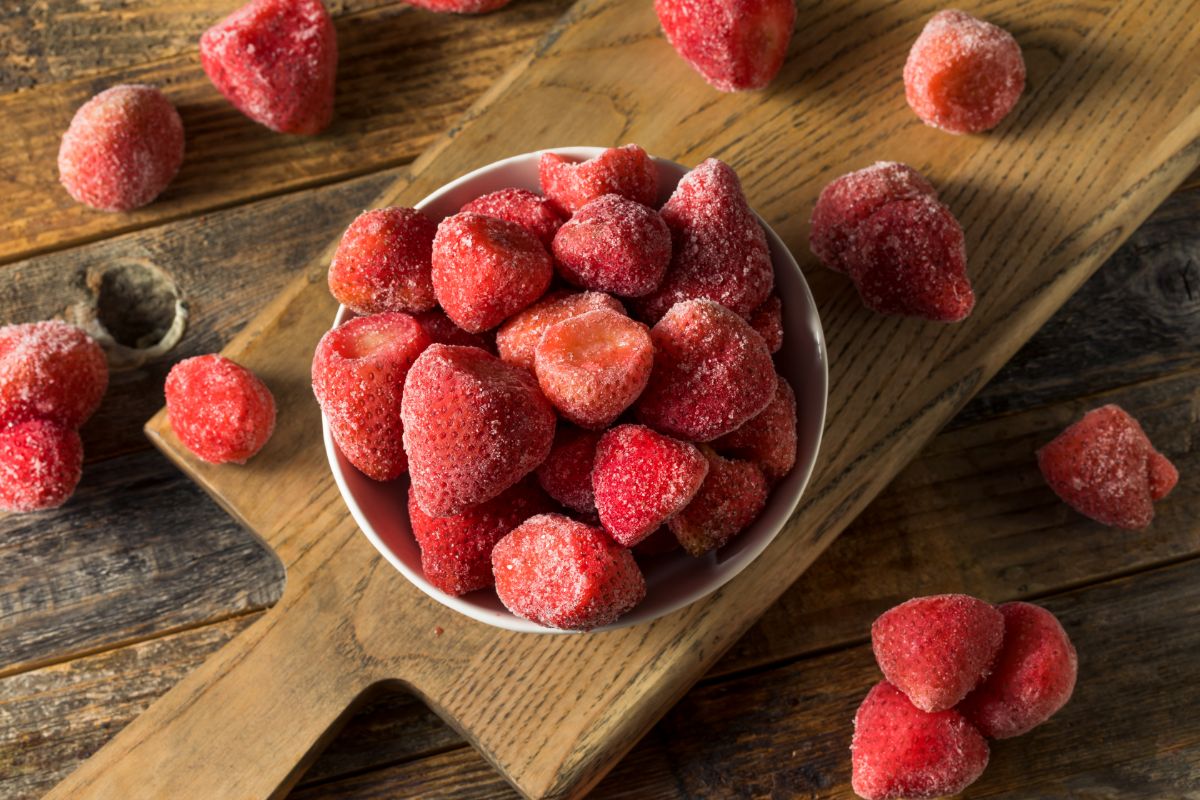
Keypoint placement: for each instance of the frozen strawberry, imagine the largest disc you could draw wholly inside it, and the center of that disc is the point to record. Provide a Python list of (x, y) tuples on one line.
[(731, 497), (50, 370), (769, 440), (518, 338), (564, 574), (627, 171), (122, 148), (40, 465), (642, 479), (712, 373), (459, 6), (937, 649), (900, 751), (487, 269), (661, 542), (276, 61), (1105, 468), (846, 202), (767, 321), (614, 245), (594, 365), (473, 426), (735, 44), (456, 552), (566, 474), (442, 330), (719, 249), (218, 409), (383, 262), (358, 374), (531, 211), (1032, 679), (963, 75)]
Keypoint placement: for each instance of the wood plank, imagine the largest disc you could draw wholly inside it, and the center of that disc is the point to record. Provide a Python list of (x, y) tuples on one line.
[(404, 76)]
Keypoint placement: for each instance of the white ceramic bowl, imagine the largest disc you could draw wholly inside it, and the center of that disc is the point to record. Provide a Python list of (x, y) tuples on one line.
[(673, 580)]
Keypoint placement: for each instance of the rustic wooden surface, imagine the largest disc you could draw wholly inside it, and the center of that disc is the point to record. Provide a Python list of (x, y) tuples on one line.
[(84, 651)]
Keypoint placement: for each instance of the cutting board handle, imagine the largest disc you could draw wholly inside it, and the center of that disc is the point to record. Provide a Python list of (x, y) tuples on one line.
[(245, 724)]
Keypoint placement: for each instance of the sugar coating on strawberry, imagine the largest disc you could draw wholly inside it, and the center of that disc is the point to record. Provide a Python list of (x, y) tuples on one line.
[(218, 409), (732, 496), (564, 574), (963, 75), (719, 250), (767, 321), (899, 751), (40, 465), (487, 269), (846, 202), (473, 426), (734, 44), (769, 439), (50, 370), (592, 366), (531, 211), (442, 330), (384, 262), (1105, 467), (276, 62), (456, 551), (459, 6), (642, 479), (627, 171), (936, 649), (614, 245), (122, 148), (712, 373), (566, 474), (358, 374), (661, 542), (518, 338), (1032, 679)]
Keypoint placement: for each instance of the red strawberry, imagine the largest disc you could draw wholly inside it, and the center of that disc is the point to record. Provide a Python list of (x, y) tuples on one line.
[(486, 269), (563, 574), (473, 426), (900, 751), (383, 262), (712, 373), (40, 465), (614, 245), (731, 497), (735, 44), (566, 474), (50, 370), (627, 171), (767, 321), (531, 211), (719, 249), (358, 376), (642, 479), (276, 61), (456, 552), (220, 410), (1032, 679), (1105, 468), (937, 649), (517, 339), (769, 440)]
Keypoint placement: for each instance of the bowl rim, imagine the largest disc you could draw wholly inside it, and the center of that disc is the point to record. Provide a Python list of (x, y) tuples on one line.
[(730, 568)]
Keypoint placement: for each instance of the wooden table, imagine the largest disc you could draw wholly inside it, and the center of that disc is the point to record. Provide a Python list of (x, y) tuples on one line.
[(105, 603)]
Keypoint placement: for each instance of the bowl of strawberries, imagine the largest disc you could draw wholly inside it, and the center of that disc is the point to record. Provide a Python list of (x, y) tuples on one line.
[(572, 390)]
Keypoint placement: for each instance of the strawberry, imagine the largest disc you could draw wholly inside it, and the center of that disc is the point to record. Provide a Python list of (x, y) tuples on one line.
[(627, 171), (531, 211), (614, 245), (732, 496), (50, 370), (220, 410), (383, 262), (734, 44), (769, 439), (767, 321), (40, 465), (517, 339), (566, 474)]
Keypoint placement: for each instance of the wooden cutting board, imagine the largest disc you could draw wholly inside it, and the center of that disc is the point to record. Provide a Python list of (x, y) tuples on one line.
[(1108, 127)]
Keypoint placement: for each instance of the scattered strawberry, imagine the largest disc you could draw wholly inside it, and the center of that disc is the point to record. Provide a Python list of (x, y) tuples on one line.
[(614, 245), (383, 262), (767, 321), (122, 148), (731, 497), (50, 370), (358, 375), (564, 574), (487, 269), (40, 465), (1105, 468), (531, 211), (219, 410), (517, 339), (735, 44), (473, 426), (276, 61), (900, 751), (642, 479), (627, 171), (769, 439), (566, 474)]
